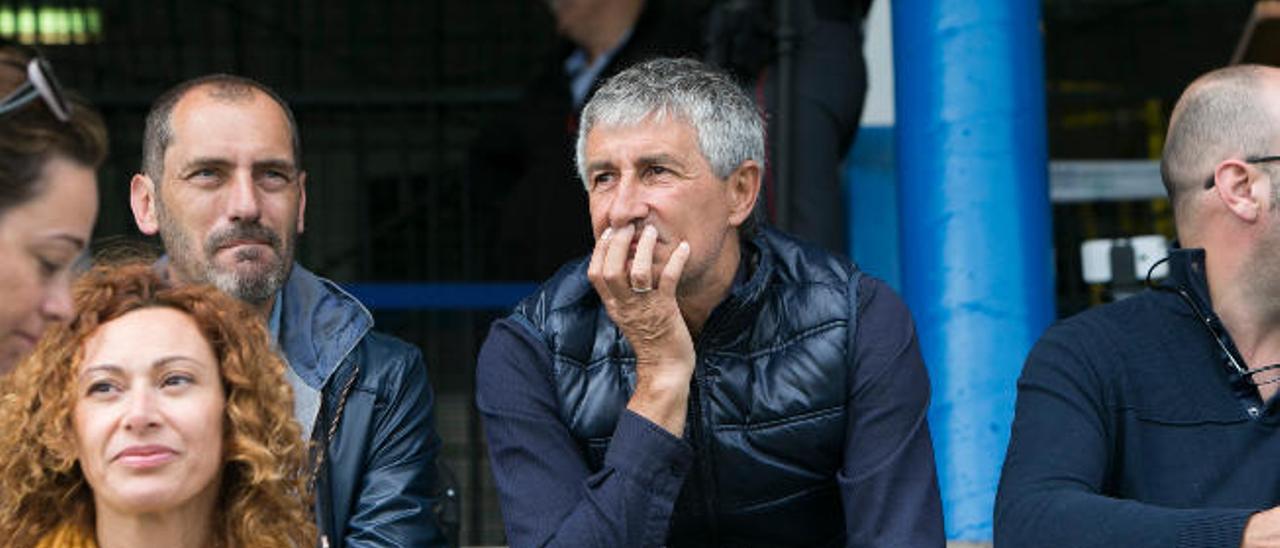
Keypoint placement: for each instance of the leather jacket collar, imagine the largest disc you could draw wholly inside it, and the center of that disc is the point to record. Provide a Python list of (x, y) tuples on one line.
[(321, 325)]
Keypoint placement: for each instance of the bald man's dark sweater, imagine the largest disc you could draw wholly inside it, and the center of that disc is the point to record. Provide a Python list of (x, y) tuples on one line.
[(1131, 430)]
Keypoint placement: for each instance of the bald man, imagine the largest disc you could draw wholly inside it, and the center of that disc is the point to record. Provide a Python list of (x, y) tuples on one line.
[(1153, 421)]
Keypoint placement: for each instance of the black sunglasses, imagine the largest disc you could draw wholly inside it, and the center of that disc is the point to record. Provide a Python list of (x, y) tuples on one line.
[(40, 83), (1213, 325), (1208, 183)]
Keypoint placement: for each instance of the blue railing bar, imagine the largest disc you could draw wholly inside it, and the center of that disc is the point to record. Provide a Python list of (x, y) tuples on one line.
[(440, 295)]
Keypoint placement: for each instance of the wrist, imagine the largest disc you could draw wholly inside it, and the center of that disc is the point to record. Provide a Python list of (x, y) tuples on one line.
[(663, 401), (662, 388), (664, 358), (665, 372)]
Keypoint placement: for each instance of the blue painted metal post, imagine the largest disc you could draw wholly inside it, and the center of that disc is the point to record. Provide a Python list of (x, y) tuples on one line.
[(975, 220)]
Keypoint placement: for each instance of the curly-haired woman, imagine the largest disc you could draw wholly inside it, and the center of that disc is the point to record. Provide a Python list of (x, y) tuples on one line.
[(157, 416)]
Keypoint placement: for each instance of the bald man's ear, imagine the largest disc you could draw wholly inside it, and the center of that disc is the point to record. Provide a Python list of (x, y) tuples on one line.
[(142, 199), (1239, 189)]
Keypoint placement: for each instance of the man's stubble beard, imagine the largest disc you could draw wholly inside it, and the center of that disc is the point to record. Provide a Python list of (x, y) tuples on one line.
[(251, 287)]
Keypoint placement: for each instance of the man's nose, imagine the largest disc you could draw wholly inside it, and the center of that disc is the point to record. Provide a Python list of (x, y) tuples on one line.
[(629, 205), (243, 201)]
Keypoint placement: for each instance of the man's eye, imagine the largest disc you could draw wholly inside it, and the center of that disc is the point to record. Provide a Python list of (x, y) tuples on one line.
[(203, 175), (275, 179), (658, 170), (603, 179)]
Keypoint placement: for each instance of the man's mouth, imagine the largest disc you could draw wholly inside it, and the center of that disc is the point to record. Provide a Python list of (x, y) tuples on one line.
[(237, 243), (244, 237), (635, 245)]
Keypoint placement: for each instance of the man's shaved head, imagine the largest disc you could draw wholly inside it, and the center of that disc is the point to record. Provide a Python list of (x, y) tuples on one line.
[(1224, 114)]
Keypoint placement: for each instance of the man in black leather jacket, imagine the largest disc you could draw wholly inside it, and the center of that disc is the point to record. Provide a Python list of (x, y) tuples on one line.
[(222, 185), (698, 382)]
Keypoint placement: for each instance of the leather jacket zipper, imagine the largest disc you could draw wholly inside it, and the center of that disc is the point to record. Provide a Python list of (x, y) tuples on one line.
[(697, 390), (702, 425)]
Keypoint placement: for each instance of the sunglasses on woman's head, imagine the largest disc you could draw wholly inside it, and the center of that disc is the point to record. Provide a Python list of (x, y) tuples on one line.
[(40, 83)]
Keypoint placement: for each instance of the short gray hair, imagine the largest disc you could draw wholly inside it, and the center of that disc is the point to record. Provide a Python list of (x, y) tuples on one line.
[(158, 134), (729, 126)]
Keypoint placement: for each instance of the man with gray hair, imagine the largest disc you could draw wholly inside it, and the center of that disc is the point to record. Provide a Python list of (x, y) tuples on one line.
[(222, 184), (1153, 421), (701, 380)]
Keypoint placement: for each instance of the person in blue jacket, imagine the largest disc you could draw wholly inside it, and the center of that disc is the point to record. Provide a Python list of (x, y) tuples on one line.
[(222, 184), (703, 380), (1153, 421)]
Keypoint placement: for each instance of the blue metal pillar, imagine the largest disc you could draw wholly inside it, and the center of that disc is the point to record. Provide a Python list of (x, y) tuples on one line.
[(872, 198), (974, 218)]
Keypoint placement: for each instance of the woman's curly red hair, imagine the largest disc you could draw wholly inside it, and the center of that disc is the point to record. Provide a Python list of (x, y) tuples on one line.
[(264, 497)]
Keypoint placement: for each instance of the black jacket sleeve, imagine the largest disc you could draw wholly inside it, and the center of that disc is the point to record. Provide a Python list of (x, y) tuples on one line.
[(888, 483), (549, 495), (391, 413)]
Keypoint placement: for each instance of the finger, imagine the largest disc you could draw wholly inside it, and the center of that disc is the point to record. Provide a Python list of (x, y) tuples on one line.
[(642, 264), (595, 269), (596, 265), (674, 269), (615, 259)]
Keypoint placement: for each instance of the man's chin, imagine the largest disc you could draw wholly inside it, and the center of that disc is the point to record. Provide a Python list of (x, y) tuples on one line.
[(250, 282), (252, 291)]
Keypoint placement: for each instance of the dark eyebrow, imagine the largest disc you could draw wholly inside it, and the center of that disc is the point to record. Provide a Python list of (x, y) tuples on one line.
[(599, 166), (116, 369), (101, 367), (660, 158), (205, 162), (174, 358), (278, 165)]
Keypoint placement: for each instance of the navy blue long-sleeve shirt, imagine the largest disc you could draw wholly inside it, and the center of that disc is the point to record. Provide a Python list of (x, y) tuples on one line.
[(1129, 431), (550, 497)]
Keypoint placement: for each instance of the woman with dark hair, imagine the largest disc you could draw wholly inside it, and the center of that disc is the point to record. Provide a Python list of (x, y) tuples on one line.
[(157, 416), (50, 147)]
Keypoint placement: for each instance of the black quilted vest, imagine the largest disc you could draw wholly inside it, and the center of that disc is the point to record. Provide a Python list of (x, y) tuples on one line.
[(767, 405)]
